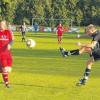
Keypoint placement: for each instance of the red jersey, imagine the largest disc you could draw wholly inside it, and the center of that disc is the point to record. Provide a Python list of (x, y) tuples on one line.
[(5, 39), (59, 30)]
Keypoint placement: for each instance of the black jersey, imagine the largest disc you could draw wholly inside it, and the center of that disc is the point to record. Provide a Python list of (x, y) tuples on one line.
[(96, 36), (96, 49)]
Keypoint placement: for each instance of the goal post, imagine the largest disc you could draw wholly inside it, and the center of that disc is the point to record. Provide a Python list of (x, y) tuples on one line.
[(49, 25), (48, 21)]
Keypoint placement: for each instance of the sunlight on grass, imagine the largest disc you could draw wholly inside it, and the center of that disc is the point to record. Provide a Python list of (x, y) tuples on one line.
[(41, 73)]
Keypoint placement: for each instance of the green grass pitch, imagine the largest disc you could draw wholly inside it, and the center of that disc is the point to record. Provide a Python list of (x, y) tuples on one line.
[(42, 73)]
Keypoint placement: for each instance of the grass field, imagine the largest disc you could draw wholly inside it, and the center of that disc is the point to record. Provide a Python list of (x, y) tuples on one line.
[(42, 73)]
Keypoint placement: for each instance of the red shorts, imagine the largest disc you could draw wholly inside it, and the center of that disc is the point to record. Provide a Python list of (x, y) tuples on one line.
[(5, 59), (59, 34)]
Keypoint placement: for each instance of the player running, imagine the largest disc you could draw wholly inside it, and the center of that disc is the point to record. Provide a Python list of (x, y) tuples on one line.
[(93, 49), (6, 39)]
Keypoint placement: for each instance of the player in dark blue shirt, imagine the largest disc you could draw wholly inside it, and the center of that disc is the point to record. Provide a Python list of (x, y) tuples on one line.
[(93, 49)]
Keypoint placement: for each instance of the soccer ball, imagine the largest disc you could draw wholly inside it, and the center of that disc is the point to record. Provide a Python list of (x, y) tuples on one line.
[(30, 43), (78, 36), (78, 43)]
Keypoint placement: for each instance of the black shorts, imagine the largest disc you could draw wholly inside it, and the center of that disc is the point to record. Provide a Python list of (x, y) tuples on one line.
[(96, 55), (23, 33)]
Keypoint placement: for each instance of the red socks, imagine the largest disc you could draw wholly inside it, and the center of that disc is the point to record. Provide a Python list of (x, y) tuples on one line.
[(5, 77)]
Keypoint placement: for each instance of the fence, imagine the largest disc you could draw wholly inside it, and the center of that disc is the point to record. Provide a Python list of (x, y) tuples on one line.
[(44, 29)]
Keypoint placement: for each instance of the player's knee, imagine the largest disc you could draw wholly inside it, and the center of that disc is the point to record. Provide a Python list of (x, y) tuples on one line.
[(85, 49), (90, 63), (89, 49), (7, 69)]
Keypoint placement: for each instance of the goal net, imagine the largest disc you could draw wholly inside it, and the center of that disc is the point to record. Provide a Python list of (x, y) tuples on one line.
[(49, 25)]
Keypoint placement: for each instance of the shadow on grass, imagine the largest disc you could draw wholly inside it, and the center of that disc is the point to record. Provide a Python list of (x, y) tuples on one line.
[(35, 53), (38, 86), (33, 85)]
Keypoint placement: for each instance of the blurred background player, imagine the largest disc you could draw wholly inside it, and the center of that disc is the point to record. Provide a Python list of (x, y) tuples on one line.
[(23, 31), (6, 39), (59, 32), (92, 48), (36, 27)]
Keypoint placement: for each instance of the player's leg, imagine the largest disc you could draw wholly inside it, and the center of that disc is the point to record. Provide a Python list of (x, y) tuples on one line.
[(87, 72), (22, 36), (84, 49), (6, 68), (0, 69), (58, 39), (5, 73), (76, 51), (0, 65)]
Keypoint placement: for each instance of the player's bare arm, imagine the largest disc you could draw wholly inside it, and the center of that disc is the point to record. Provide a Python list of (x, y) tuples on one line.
[(89, 45)]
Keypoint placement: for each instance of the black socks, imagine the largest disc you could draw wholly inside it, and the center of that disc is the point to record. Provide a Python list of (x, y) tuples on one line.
[(72, 52), (87, 73)]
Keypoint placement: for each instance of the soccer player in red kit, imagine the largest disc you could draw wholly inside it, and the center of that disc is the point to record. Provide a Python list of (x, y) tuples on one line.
[(59, 33), (6, 39)]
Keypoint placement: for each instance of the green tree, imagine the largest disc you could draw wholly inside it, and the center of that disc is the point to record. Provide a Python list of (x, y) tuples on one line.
[(80, 11), (90, 9), (27, 9), (7, 9)]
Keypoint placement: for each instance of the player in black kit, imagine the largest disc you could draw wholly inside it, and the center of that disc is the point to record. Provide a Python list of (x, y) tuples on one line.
[(93, 49)]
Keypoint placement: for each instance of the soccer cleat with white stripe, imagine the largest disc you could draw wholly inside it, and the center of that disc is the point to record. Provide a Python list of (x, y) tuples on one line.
[(81, 82), (63, 52)]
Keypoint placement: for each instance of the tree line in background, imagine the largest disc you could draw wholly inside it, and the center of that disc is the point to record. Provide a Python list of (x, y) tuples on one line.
[(82, 12)]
